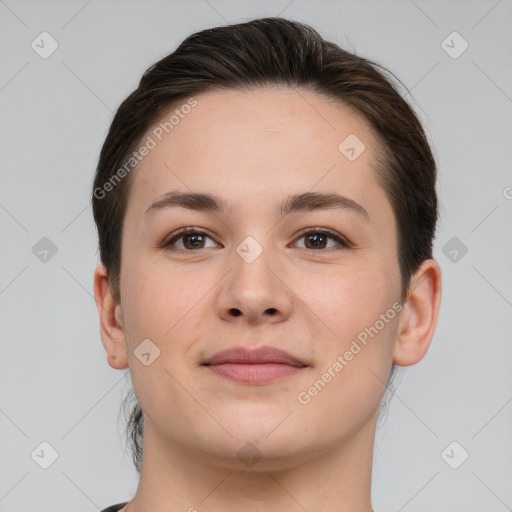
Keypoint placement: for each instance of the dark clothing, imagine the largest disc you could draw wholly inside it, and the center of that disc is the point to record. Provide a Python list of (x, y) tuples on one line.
[(115, 508)]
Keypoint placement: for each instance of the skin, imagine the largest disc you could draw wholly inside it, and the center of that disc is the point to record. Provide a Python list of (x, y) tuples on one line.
[(254, 149)]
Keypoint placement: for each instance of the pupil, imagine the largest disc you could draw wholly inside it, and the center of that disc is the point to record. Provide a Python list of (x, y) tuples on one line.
[(317, 238), (196, 236)]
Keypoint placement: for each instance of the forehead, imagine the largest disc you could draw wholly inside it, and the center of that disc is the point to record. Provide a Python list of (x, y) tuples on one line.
[(248, 145), (264, 120)]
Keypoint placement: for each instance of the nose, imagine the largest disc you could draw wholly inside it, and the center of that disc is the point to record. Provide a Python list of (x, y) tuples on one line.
[(255, 292)]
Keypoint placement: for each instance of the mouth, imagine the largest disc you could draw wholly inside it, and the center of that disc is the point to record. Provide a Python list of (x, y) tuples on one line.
[(253, 366)]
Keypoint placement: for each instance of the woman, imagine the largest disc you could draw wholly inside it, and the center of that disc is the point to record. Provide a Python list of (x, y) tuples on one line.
[(266, 208)]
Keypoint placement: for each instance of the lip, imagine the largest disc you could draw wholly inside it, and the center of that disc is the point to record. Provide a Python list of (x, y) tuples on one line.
[(263, 364), (244, 355)]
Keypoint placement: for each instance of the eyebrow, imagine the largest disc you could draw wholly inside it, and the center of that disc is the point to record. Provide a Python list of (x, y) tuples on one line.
[(308, 201)]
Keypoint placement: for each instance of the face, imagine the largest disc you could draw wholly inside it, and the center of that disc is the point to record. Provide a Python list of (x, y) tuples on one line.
[(316, 277)]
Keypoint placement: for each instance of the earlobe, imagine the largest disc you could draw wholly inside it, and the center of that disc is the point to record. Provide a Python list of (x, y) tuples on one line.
[(419, 316), (111, 321)]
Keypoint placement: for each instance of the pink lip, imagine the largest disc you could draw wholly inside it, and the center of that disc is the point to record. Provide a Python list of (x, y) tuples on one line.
[(257, 365)]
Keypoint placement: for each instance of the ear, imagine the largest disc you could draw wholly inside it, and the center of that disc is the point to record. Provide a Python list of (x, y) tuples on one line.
[(419, 316), (111, 321)]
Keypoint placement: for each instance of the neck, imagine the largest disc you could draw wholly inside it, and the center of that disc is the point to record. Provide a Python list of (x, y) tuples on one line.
[(336, 480)]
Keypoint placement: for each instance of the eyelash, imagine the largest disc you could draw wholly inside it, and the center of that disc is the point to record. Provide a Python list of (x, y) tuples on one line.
[(342, 242)]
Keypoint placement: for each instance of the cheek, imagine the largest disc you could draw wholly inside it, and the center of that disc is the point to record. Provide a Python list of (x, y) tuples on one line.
[(346, 298), (355, 350), (158, 299), (166, 308), (350, 304)]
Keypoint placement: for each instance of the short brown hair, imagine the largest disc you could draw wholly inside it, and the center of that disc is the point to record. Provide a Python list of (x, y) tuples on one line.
[(269, 52)]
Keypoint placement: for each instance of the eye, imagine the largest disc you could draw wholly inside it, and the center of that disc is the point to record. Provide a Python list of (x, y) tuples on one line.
[(189, 239), (317, 239)]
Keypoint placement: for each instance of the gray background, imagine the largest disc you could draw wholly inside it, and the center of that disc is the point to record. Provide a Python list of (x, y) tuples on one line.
[(55, 383)]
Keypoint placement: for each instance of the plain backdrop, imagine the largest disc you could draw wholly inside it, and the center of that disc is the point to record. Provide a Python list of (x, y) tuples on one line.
[(56, 387)]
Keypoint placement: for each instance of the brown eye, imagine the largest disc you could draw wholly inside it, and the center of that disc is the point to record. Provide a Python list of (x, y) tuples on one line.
[(193, 241), (188, 240), (318, 239)]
